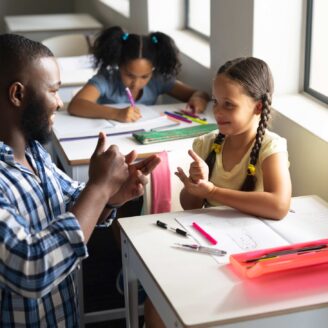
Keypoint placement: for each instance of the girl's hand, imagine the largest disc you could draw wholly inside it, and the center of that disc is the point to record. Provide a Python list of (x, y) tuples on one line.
[(128, 114), (198, 168), (201, 189), (197, 103)]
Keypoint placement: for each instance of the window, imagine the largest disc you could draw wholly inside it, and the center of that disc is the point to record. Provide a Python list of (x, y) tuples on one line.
[(316, 51), (198, 17), (121, 6)]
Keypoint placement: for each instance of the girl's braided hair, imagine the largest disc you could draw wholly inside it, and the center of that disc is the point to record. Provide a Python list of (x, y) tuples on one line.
[(255, 77), (114, 47)]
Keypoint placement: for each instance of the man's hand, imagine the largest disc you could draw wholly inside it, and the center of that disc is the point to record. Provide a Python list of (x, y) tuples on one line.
[(108, 169), (147, 165), (134, 185)]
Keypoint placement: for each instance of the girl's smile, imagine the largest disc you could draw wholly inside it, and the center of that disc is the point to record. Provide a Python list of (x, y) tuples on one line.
[(235, 111)]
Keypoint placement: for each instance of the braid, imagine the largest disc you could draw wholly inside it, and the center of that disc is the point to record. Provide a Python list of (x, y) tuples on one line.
[(255, 77), (216, 149), (250, 180)]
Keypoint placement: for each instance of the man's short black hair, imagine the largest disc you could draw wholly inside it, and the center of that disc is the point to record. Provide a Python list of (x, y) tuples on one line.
[(17, 53)]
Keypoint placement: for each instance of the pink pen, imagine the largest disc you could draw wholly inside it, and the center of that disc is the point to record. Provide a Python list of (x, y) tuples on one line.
[(128, 92), (204, 233)]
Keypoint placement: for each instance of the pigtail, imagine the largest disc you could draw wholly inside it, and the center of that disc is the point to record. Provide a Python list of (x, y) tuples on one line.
[(107, 48), (165, 54), (250, 180), (216, 149)]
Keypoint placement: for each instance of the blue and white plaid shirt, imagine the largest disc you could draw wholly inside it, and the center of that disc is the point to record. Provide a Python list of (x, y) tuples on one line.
[(41, 242)]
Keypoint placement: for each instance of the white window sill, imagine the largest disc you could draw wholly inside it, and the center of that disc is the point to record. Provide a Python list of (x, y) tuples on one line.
[(193, 46), (304, 111), (121, 6)]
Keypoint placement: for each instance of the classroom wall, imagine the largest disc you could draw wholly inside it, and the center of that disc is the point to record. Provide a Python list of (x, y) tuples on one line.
[(30, 7), (308, 156)]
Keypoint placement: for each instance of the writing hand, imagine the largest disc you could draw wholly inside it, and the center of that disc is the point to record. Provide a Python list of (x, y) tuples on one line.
[(198, 168), (128, 114)]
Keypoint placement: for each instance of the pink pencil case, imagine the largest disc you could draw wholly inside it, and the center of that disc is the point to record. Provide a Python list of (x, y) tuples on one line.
[(264, 261)]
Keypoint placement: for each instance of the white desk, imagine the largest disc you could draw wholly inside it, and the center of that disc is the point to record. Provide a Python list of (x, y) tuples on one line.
[(193, 290), (75, 72), (74, 156), (40, 27)]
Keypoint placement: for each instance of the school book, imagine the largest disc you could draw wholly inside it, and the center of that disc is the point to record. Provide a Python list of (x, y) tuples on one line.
[(174, 134), (238, 232)]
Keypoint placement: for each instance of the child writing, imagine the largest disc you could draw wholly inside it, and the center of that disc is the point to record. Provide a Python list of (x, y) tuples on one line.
[(244, 165), (146, 65)]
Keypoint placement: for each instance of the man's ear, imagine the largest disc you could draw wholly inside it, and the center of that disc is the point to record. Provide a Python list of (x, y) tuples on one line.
[(16, 93)]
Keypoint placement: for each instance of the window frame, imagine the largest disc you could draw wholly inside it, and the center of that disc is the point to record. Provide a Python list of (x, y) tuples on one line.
[(188, 28), (308, 44)]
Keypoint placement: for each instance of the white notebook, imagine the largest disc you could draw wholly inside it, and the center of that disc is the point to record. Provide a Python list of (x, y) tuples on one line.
[(236, 232), (68, 127)]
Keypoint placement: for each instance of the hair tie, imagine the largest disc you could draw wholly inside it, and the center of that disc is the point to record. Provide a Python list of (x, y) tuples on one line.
[(217, 148), (154, 39), (125, 36), (251, 169)]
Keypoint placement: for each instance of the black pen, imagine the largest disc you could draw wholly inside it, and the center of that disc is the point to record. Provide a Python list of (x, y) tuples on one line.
[(300, 250), (177, 230)]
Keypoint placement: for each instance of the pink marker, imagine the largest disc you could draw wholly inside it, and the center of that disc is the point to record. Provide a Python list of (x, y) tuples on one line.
[(128, 92), (204, 233)]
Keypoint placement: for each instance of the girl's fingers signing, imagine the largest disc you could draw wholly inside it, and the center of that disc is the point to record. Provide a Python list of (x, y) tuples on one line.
[(195, 157)]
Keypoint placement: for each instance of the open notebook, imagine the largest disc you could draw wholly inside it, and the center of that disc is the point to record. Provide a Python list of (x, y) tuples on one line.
[(237, 232), (68, 127)]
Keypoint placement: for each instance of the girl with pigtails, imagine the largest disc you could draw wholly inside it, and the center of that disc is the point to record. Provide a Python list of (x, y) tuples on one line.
[(146, 64), (242, 165)]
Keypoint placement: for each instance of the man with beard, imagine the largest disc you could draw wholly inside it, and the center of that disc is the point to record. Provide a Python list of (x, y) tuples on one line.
[(46, 218)]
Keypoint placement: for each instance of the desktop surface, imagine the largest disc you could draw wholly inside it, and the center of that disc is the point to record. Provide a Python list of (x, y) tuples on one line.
[(193, 290)]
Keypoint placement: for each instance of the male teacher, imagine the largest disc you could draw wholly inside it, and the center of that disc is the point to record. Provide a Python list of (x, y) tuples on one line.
[(46, 218)]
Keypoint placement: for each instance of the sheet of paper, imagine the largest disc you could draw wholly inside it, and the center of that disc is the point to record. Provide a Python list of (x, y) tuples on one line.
[(150, 119), (66, 125), (147, 113), (235, 232), (309, 223)]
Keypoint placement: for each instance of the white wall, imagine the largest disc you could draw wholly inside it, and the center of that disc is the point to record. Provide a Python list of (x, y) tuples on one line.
[(308, 155), (231, 30), (278, 39)]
